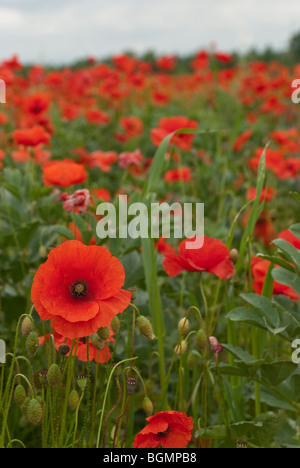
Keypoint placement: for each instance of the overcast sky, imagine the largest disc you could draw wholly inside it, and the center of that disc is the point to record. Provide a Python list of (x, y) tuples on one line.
[(57, 31)]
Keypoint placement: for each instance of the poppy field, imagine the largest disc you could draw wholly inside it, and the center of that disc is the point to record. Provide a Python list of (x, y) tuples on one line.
[(140, 341)]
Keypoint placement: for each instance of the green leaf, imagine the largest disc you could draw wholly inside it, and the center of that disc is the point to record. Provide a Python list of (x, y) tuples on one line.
[(264, 305), (63, 231), (289, 251), (242, 314), (287, 278), (239, 353), (276, 372), (295, 229)]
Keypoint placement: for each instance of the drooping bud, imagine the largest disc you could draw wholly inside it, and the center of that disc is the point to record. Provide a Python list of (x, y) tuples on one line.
[(82, 380), (25, 405), (148, 406), (183, 326), (19, 395), (131, 383), (181, 347), (32, 344), (97, 341), (26, 326), (53, 375), (115, 324), (104, 333), (201, 340), (64, 349), (145, 327), (34, 412), (73, 400), (234, 255)]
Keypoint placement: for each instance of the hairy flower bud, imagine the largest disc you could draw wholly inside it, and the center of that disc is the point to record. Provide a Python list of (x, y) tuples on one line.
[(115, 324), (183, 326), (97, 341), (131, 384), (73, 400), (32, 344), (181, 347), (64, 349), (26, 326), (19, 395), (201, 340), (82, 381), (53, 375), (34, 411), (148, 406), (104, 333), (145, 327), (234, 255)]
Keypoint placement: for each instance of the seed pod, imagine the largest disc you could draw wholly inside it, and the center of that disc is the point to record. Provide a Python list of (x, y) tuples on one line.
[(183, 326), (104, 333), (34, 412), (145, 327), (26, 326), (115, 324), (64, 349), (32, 344), (97, 342), (234, 255), (181, 347), (82, 381), (43, 378), (201, 340), (19, 395), (73, 400), (131, 384), (53, 375), (148, 406)]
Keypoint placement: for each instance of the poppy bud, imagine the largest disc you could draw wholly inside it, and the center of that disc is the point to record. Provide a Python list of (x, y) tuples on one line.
[(73, 400), (181, 347), (115, 324), (131, 384), (148, 406), (234, 255), (201, 340), (34, 412), (183, 326), (104, 333), (97, 341), (25, 405), (32, 344), (64, 349), (192, 360), (82, 381), (53, 375), (241, 444), (26, 326), (145, 327), (19, 395)]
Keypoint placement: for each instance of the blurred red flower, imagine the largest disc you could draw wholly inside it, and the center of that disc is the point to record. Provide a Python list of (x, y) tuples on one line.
[(169, 125), (31, 136), (63, 173)]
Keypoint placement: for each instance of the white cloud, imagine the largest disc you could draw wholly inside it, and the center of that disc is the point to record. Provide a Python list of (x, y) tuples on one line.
[(64, 30)]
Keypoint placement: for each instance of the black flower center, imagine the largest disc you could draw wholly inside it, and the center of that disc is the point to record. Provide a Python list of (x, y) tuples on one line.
[(79, 289), (164, 434)]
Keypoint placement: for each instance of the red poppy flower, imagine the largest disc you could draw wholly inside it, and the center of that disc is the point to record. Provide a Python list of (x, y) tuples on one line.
[(37, 104), (241, 140), (259, 270), (127, 159), (32, 136), (37, 154), (63, 173), (212, 257), (169, 429), (290, 237), (266, 194), (175, 175), (2, 156), (3, 118), (169, 125), (97, 116), (79, 289)]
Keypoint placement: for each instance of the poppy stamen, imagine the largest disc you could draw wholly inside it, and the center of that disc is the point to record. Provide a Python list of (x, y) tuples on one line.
[(79, 289)]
